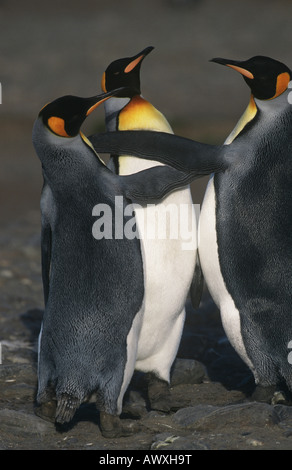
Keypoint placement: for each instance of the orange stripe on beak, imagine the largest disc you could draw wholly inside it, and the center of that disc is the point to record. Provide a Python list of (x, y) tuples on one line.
[(133, 64), (244, 72), (96, 105)]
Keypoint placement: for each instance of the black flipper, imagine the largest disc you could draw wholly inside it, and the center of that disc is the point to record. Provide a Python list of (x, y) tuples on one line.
[(196, 289), (113, 164), (185, 155), (153, 184)]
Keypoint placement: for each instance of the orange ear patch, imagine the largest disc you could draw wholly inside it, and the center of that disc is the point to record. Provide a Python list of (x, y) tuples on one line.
[(133, 64), (103, 87), (283, 80), (57, 125)]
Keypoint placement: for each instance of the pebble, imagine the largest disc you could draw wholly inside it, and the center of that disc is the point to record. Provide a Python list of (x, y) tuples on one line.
[(211, 418), (168, 442), (22, 424), (188, 417), (254, 442), (6, 273)]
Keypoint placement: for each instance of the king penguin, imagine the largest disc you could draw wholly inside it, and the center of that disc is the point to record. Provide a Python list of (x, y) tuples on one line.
[(94, 286), (245, 228), (169, 258), (245, 225)]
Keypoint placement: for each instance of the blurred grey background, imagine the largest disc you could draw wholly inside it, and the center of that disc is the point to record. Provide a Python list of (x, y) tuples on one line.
[(53, 48)]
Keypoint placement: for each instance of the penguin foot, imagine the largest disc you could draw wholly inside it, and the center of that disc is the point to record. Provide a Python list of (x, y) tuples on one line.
[(263, 394), (47, 410), (270, 394), (112, 426), (159, 394)]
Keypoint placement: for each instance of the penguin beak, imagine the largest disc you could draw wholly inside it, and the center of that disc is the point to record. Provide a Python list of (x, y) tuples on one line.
[(137, 59), (236, 65), (95, 101)]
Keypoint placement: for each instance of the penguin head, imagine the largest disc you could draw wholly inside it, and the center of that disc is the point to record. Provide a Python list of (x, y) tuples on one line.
[(125, 73), (64, 116), (266, 77)]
